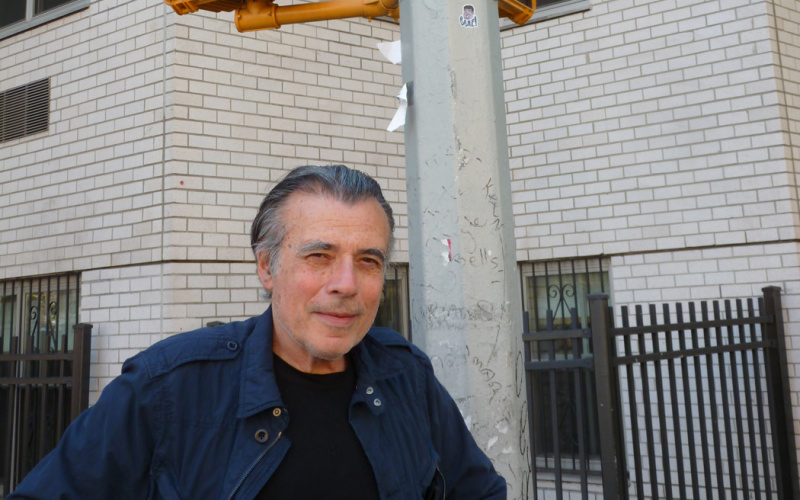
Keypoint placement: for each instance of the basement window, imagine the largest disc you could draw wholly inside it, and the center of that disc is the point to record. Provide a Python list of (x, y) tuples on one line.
[(25, 110), (17, 16)]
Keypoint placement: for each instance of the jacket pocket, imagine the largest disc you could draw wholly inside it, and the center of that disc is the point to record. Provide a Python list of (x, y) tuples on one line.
[(435, 490)]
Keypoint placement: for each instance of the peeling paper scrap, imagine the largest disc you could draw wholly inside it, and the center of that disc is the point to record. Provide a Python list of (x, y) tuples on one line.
[(492, 441), (391, 51), (400, 116)]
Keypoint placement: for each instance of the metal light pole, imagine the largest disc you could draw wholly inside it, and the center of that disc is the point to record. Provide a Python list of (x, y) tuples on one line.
[(465, 291)]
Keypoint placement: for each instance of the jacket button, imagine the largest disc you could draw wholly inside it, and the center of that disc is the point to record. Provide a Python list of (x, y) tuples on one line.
[(276, 412), (232, 346), (262, 436), (377, 402), (370, 390)]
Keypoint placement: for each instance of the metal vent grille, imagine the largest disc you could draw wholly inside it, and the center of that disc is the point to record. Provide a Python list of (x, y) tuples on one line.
[(25, 110)]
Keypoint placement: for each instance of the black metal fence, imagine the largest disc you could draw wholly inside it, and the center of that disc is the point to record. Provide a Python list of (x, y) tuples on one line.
[(697, 397), (562, 410), (44, 370), (711, 414), (560, 385)]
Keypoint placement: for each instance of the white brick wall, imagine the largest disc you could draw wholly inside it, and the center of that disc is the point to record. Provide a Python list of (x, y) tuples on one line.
[(251, 106), (787, 26), (133, 307), (660, 122), (87, 194), (166, 131), (642, 129)]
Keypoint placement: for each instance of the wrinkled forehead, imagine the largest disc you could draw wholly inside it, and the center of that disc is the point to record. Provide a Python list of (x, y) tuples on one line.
[(333, 198), (299, 203)]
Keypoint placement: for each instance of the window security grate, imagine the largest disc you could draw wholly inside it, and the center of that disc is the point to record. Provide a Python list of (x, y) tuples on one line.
[(25, 110)]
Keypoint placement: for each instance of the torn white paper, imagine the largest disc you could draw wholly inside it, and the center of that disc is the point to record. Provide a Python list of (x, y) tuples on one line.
[(400, 116), (391, 51)]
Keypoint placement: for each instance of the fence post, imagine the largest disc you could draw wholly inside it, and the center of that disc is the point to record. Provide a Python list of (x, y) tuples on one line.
[(81, 350), (783, 438), (608, 405)]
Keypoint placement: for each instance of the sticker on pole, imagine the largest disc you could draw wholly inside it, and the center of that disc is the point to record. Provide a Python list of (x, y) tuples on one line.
[(468, 19), (400, 115)]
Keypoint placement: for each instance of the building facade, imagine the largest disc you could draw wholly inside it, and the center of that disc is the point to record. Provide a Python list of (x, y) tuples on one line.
[(658, 138)]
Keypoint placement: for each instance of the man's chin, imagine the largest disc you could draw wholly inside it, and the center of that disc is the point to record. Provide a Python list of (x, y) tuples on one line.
[(331, 352), (329, 356)]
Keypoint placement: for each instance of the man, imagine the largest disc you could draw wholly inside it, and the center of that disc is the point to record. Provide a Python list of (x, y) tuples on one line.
[(304, 402)]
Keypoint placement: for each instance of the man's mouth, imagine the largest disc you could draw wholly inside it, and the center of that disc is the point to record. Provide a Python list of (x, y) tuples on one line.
[(337, 318), (339, 315)]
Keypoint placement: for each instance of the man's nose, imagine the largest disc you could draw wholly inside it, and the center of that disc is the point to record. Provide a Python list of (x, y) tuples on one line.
[(343, 279)]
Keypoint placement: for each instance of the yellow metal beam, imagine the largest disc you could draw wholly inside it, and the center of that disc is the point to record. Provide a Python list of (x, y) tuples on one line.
[(188, 6), (264, 14), (253, 15), (516, 11)]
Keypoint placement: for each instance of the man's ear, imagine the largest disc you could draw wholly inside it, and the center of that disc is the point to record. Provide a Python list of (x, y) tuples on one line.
[(264, 272)]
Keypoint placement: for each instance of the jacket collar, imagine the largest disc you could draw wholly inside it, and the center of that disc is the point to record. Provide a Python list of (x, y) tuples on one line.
[(258, 389), (373, 362)]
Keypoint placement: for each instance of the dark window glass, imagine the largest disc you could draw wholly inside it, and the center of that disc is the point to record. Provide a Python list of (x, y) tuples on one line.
[(393, 309), (12, 11), (546, 3), (44, 5), (542, 3)]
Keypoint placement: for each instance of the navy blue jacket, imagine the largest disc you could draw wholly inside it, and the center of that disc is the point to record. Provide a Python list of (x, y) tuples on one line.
[(199, 416)]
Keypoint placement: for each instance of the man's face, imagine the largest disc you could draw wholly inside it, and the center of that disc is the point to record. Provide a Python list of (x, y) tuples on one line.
[(469, 14), (328, 285)]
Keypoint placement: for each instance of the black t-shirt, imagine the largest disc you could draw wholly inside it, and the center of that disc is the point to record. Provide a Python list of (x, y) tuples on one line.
[(325, 460)]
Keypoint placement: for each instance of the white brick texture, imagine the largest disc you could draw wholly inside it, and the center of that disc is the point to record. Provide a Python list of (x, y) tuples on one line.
[(639, 107), (166, 132), (133, 307)]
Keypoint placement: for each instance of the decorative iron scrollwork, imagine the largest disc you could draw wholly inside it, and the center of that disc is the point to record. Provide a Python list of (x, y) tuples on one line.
[(561, 294), (50, 325), (33, 335)]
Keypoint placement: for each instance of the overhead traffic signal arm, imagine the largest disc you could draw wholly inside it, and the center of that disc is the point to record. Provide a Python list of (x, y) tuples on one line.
[(516, 11), (253, 15)]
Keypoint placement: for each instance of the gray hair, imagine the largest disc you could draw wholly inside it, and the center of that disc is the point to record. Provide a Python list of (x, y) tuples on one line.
[(343, 184)]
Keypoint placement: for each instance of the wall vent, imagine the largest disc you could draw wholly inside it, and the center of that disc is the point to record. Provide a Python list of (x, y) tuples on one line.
[(25, 110)]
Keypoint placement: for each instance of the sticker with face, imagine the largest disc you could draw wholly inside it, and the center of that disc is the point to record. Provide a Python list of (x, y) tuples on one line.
[(468, 18)]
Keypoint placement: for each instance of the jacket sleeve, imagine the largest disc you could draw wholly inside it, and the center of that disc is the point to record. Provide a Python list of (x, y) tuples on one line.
[(106, 452), (468, 473)]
